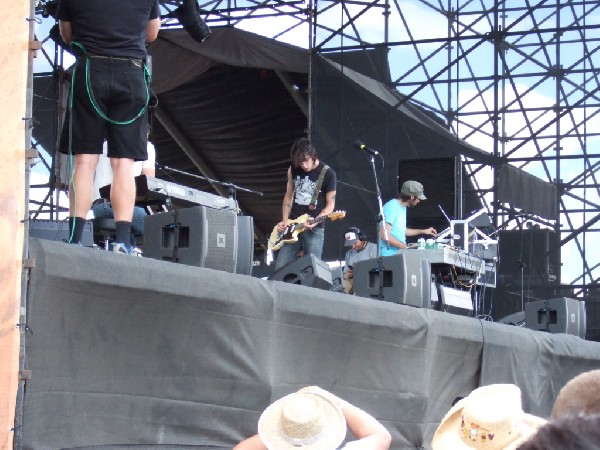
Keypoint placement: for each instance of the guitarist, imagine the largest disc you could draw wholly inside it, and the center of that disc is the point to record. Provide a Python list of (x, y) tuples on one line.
[(310, 190)]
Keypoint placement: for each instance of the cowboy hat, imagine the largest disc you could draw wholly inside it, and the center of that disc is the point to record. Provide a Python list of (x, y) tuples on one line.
[(302, 420), (490, 418)]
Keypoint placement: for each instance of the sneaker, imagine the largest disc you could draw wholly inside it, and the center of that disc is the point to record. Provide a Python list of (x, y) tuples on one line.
[(120, 247)]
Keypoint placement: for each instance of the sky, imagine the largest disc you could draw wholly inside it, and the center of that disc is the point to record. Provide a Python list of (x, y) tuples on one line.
[(420, 20)]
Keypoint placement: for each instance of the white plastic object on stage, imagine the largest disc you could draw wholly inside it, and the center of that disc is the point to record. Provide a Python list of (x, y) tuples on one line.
[(456, 298)]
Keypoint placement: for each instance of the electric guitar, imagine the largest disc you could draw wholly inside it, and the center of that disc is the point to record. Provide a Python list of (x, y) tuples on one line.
[(296, 226)]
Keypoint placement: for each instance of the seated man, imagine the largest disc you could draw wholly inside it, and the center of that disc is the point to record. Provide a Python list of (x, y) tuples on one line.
[(361, 250), (316, 419), (104, 176)]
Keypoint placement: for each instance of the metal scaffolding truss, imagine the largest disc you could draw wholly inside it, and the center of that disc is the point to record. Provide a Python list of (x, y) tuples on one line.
[(516, 78)]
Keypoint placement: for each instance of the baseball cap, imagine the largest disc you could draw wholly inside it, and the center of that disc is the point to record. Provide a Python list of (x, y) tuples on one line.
[(411, 187), (351, 237)]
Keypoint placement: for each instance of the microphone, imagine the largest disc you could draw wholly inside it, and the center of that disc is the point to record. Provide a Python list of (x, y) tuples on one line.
[(361, 146)]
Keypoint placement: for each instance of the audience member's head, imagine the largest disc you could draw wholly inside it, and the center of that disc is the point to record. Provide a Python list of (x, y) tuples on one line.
[(581, 395), (576, 432), (305, 419), (489, 418)]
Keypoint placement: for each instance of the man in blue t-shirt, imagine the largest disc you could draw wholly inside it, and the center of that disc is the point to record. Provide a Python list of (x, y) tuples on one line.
[(410, 195)]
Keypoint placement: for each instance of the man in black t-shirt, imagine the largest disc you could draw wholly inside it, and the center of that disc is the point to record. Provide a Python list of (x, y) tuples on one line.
[(109, 101), (302, 182)]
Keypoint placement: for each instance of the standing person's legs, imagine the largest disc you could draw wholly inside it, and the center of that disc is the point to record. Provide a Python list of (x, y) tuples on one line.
[(287, 254), (312, 241), (82, 138), (80, 194), (122, 197), (127, 137)]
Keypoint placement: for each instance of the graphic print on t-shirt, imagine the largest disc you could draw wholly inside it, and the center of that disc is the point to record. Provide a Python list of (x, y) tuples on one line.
[(304, 188)]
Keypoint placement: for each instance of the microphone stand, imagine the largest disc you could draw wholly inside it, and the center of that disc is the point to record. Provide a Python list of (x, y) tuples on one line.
[(380, 217)]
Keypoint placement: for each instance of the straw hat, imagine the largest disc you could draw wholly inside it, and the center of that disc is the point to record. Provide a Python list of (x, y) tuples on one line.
[(490, 418), (302, 420)]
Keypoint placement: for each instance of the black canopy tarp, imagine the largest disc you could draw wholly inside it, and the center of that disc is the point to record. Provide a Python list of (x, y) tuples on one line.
[(351, 106)]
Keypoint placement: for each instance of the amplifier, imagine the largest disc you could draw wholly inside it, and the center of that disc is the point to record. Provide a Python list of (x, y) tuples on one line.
[(58, 230), (197, 236), (557, 315), (403, 278)]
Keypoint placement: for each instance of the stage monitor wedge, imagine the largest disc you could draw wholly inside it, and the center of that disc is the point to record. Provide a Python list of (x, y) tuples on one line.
[(307, 270)]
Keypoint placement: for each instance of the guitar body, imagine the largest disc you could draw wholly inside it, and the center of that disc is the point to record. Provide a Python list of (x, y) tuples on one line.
[(295, 227), (289, 234)]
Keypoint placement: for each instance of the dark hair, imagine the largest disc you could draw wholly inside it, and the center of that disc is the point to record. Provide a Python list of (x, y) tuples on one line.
[(566, 433), (404, 197), (302, 149)]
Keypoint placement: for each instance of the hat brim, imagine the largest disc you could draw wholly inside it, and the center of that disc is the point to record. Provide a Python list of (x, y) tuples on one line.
[(350, 242), (332, 436), (447, 435), (421, 197)]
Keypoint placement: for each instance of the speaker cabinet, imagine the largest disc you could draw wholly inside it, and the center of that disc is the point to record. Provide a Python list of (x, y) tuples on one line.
[(197, 236), (557, 315), (54, 230), (306, 271), (535, 254), (245, 245), (337, 279), (403, 278)]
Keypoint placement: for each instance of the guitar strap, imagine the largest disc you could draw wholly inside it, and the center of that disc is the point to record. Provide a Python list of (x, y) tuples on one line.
[(313, 200)]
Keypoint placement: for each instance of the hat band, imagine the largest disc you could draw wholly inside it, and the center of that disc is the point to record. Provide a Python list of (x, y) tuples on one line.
[(300, 441), (472, 432)]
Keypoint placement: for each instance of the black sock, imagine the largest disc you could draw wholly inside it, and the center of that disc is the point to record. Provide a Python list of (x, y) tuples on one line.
[(123, 232), (76, 225)]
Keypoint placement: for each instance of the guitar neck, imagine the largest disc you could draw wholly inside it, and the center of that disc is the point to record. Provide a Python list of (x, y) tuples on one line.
[(318, 219)]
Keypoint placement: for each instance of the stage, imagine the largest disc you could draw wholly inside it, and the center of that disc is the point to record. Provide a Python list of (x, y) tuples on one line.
[(135, 351)]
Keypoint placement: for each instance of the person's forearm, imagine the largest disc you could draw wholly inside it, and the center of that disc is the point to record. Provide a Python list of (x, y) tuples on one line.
[(395, 243), (329, 204), (420, 232), (414, 232), (286, 208), (364, 426)]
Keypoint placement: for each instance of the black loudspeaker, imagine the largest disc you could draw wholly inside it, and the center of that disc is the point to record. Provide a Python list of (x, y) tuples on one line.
[(245, 245), (306, 271), (403, 278), (557, 315), (533, 253), (337, 279), (54, 230), (592, 309), (197, 236)]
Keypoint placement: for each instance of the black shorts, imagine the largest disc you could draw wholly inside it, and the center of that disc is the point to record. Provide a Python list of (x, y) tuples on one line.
[(118, 86)]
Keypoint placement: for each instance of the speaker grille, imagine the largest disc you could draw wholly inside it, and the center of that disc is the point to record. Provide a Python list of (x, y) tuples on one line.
[(222, 240)]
